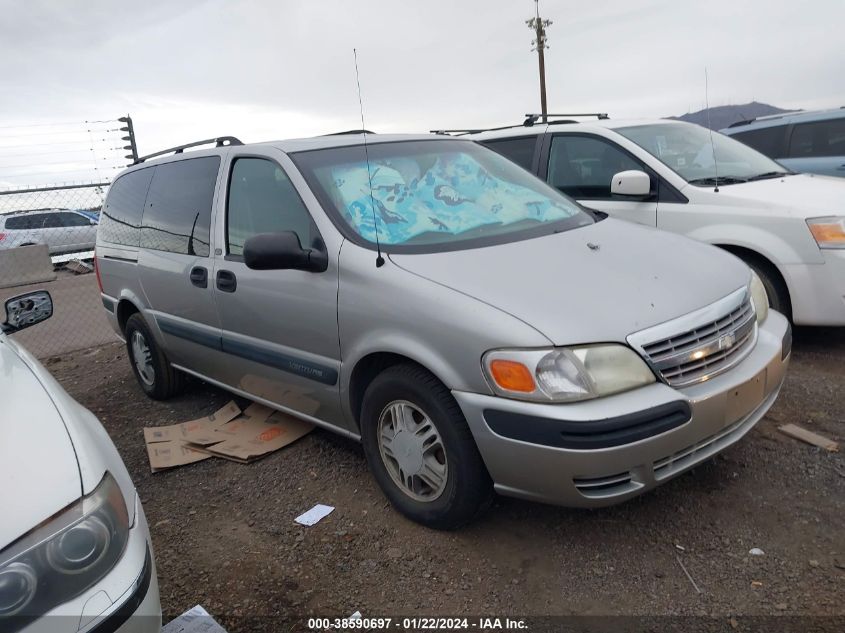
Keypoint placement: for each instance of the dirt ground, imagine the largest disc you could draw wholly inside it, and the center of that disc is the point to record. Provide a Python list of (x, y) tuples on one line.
[(224, 534)]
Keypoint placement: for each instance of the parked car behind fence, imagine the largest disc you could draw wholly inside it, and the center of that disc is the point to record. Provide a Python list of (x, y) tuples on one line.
[(62, 230)]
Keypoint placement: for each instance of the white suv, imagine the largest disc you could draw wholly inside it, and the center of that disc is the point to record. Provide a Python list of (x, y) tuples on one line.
[(790, 228)]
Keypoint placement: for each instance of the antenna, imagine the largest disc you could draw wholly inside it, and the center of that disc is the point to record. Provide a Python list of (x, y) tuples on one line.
[(712, 146), (379, 258)]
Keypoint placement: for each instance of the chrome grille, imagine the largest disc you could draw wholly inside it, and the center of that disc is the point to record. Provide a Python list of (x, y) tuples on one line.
[(700, 345)]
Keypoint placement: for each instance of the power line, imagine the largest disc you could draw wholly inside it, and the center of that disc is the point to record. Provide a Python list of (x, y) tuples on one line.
[(29, 134), (7, 127)]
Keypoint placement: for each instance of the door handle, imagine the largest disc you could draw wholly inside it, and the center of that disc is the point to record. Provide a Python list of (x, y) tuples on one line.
[(199, 277), (226, 281)]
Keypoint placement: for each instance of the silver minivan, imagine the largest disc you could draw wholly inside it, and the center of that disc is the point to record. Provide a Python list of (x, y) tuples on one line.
[(473, 327)]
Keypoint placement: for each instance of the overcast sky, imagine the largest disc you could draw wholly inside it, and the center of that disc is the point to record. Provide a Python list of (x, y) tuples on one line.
[(264, 69)]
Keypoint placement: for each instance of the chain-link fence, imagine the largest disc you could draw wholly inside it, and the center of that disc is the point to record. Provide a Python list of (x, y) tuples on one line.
[(47, 231), (47, 237)]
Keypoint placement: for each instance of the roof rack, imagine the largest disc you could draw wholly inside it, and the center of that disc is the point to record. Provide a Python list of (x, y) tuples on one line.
[(349, 132), (532, 118), (461, 132), (220, 141)]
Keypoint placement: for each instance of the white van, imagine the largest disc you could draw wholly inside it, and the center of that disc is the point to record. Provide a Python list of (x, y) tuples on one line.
[(790, 228)]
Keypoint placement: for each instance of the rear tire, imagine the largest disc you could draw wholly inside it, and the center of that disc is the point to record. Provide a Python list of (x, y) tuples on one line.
[(152, 370), (421, 451)]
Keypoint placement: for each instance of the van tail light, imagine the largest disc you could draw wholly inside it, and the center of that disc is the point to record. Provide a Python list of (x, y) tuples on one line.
[(2, 236), (97, 271)]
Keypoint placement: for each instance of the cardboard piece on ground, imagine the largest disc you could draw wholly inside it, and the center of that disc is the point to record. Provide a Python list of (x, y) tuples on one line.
[(78, 267), (185, 429), (206, 435), (294, 398), (172, 453), (195, 620), (247, 439), (314, 515), (809, 437)]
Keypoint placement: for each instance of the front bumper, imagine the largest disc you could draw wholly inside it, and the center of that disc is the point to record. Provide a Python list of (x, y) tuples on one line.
[(126, 600), (817, 291), (720, 411)]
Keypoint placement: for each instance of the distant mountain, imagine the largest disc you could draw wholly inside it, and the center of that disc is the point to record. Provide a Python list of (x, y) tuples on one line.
[(723, 116)]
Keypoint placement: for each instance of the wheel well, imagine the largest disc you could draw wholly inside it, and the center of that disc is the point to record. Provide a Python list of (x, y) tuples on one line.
[(747, 254), (125, 309), (366, 370)]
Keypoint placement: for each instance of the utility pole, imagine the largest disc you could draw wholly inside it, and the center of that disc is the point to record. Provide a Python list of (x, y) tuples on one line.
[(539, 25)]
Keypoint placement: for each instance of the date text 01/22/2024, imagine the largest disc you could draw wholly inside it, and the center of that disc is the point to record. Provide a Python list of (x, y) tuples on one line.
[(418, 624)]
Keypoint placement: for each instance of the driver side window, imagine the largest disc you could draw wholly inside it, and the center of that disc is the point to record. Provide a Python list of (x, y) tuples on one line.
[(582, 167), (262, 199)]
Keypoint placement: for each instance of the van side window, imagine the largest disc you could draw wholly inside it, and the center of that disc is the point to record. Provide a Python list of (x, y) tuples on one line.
[(73, 219), (120, 219), (818, 138), (262, 199), (25, 222), (53, 221), (767, 140), (519, 150), (177, 215), (583, 166)]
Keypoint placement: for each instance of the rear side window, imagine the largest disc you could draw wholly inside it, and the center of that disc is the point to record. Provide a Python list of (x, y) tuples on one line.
[(177, 214), (74, 219), (53, 221), (25, 222), (519, 150), (262, 199), (819, 138), (768, 140), (120, 219)]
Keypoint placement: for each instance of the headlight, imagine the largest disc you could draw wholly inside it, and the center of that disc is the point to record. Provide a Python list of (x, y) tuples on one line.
[(828, 232), (63, 557), (565, 374), (759, 297)]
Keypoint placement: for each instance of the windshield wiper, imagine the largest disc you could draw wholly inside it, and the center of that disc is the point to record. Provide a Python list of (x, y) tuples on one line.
[(721, 180), (770, 174)]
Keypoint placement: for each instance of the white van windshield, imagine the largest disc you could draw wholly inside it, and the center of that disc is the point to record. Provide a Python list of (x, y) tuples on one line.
[(422, 193), (686, 149)]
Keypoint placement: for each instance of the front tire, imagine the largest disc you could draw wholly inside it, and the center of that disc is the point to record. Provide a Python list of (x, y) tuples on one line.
[(421, 451), (152, 370), (775, 287)]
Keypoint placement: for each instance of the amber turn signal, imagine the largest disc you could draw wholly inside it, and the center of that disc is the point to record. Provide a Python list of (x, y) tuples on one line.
[(512, 376)]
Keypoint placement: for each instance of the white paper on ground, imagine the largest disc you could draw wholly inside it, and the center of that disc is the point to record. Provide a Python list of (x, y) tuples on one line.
[(314, 515), (195, 620)]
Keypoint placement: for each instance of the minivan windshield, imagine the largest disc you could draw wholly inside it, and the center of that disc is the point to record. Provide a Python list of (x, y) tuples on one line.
[(686, 149), (424, 196)]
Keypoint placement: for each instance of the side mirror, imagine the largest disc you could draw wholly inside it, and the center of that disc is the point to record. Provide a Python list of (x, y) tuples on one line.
[(632, 183), (282, 251), (25, 310)]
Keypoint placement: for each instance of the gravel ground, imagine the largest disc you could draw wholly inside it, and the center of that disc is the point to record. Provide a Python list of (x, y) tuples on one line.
[(224, 534)]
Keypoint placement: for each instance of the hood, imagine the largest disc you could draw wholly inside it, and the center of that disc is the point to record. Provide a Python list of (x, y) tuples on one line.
[(801, 195), (38, 465), (592, 284)]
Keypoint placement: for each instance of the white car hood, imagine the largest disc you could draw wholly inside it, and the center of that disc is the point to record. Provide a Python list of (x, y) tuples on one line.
[(801, 195), (38, 465)]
